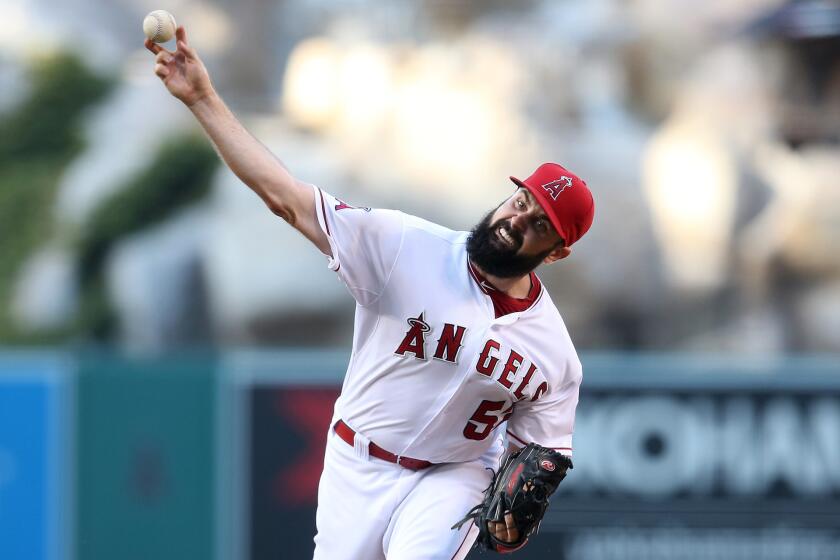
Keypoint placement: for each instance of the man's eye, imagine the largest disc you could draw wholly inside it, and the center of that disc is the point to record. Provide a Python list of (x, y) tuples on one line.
[(520, 205), (541, 227)]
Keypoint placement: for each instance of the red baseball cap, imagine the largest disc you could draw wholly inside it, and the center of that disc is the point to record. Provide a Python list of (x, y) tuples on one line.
[(564, 198)]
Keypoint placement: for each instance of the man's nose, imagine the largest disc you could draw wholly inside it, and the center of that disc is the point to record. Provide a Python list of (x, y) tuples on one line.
[(519, 222)]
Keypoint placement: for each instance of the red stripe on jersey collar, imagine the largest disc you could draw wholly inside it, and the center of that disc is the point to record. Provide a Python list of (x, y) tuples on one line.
[(504, 304)]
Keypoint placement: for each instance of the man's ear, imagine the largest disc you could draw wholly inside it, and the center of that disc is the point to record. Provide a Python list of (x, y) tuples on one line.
[(557, 254)]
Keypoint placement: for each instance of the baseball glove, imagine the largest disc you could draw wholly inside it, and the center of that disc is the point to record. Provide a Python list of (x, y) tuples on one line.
[(521, 487)]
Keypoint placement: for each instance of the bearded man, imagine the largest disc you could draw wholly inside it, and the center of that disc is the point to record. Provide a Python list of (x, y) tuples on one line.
[(458, 351)]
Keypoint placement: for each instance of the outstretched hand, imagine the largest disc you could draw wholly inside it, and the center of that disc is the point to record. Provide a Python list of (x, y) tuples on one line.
[(182, 72)]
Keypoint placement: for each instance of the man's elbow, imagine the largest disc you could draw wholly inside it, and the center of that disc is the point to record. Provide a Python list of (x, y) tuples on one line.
[(281, 208), (285, 197)]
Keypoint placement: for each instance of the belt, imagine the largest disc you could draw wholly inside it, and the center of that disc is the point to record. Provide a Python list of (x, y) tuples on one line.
[(346, 433)]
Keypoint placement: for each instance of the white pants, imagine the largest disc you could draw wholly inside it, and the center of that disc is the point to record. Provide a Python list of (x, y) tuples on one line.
[(369, 509)]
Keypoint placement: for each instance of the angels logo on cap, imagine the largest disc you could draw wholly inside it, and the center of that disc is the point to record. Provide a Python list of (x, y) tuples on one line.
[(554, 188), (564, 197), (547, 465)]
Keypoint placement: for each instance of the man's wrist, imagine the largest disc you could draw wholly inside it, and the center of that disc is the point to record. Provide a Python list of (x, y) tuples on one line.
[(207, 103)]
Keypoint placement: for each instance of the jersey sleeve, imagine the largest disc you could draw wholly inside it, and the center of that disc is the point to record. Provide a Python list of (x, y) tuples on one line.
[(550, 420), (364, 243)]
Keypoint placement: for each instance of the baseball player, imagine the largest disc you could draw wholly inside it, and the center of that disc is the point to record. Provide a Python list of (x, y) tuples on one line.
[(458, 350)]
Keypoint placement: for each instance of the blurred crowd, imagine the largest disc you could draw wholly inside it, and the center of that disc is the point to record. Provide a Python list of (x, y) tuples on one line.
[(708, 131)]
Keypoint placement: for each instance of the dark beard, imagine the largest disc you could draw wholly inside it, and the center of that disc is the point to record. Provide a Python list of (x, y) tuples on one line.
[(494, 257)]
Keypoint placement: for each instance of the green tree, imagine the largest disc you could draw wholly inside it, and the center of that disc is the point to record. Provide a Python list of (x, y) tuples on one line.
[(179, 175), (38, 138)]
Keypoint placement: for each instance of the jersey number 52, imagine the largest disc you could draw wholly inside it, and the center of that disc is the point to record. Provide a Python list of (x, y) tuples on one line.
[(485, 418)]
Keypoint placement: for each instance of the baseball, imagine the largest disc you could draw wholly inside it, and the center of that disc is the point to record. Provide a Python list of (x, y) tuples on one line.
[(159, 26)]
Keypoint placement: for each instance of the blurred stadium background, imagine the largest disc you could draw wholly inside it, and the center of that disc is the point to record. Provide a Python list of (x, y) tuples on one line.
[(171, 351)]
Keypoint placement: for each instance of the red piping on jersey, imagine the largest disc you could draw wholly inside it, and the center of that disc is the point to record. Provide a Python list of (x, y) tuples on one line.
[(523, 442), (324, 212), (466, 536), (326, 222), (539, 295)]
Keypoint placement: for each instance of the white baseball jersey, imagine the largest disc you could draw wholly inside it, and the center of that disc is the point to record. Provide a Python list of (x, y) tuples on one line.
[(433, 373)]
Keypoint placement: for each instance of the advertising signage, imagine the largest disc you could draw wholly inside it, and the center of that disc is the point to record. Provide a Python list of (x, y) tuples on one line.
[(701, 460), (35, 447)]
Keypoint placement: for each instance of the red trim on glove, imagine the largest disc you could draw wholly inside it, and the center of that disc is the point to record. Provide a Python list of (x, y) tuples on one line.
[(514, 479), (505, 549)]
